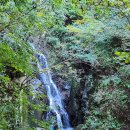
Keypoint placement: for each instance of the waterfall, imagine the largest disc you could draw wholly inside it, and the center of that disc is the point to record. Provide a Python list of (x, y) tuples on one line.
[(55, 101)]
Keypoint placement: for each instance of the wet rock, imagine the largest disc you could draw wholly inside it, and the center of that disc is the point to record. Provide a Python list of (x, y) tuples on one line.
[(67, 86), (78, 102)]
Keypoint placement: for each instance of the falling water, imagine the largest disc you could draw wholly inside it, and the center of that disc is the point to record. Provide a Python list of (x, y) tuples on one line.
[(55, 101)]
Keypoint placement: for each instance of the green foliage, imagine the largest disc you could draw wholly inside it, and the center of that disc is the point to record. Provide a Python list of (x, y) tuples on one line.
[(95, 122), (94, 39), (123, 56), (18, 59), (18, 20), (10, 106), (107, 105), (113, 79), (92, 32)]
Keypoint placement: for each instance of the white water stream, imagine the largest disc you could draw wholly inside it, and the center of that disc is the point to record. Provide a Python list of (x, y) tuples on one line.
[(55, 102)]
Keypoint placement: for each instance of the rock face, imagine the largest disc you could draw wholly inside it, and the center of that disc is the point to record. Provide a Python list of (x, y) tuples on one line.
[(39, 43), (37, 98), (76, 97), (78, 103), (63, 86)]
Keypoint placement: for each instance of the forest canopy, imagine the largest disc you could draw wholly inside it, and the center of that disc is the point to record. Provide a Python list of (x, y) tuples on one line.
[(84, 38)]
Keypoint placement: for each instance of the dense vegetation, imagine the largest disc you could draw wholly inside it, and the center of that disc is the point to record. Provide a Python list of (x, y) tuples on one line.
[(86, 37)]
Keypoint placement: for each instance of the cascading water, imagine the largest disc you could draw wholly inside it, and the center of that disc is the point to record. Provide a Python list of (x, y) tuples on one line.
[(55, 101)]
